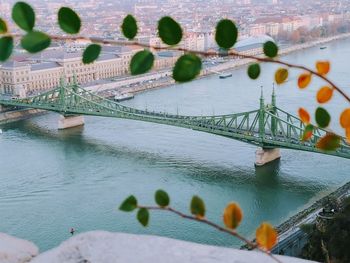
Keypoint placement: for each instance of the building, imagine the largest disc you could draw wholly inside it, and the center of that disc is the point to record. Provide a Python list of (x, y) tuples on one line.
[(43, 71)]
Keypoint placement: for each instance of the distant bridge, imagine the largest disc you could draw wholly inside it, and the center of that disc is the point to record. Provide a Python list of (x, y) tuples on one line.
[(268, 127)]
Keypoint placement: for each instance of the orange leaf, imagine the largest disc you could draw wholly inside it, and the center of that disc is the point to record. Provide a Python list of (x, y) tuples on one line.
[(323, 67), (232, 215), (304, 116), (347, 133), (324, 94), (266, 236), (308, 132), (304, 80), (329, 142), (345, 119), (281, 75)]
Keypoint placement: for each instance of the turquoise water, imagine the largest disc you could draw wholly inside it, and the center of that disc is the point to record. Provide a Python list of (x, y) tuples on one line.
[(52, 180)]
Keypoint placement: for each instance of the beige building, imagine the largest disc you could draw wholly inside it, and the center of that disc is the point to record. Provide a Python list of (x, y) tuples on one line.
[(42, 72)]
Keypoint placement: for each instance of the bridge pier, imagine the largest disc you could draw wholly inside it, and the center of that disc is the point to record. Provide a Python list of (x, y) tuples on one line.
[(66, 122), (264, 156)]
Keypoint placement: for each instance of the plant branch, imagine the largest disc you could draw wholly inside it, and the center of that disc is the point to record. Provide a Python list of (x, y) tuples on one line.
[(231, 53), (214, 225)]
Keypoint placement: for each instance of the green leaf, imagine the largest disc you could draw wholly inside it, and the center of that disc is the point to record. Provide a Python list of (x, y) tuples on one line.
[(91, 53), (162, 198), (308, 132), (24, 16), (6, 47), (141, 62), (3, 26), (129, 27), (254, 71), (68, 20), (270, 49), (143, 216), (169, 31), (226, 34), (35, 41), (322, 117), (129, 204), (197, 206), (329, 142), (187, 67)]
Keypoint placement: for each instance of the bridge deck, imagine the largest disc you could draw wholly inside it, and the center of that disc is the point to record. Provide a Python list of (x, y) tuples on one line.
[(267, 127)]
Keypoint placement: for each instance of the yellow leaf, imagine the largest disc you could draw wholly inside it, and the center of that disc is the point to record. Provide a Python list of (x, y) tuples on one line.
[(304, 116), (266, 236), (345, 119), (281, 75), (324, 94), (323, 67), (304, 80), (232, 215)]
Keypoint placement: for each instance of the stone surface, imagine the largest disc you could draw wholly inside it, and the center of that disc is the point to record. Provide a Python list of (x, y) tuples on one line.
[(15, 250), (106, 247), (264, 156), (69, 122)]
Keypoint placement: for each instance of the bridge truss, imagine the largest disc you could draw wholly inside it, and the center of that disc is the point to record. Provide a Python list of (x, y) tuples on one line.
[(267, 127)]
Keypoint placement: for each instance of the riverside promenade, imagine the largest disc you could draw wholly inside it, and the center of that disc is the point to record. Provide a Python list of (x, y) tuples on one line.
[(220, 66)]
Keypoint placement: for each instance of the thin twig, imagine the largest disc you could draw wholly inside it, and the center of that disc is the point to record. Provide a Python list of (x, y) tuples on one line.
[(212, 224), (231, 53)]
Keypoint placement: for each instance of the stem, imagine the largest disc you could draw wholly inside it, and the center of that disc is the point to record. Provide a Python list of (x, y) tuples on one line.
[(231, 53), (212, 224)]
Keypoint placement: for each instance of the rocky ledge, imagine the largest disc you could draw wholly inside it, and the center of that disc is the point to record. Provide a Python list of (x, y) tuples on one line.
[(106, 247)]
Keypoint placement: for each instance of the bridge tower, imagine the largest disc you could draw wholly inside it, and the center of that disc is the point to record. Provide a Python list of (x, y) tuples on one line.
[(68, 121), (265, 155), (273, 110), (262, 115)]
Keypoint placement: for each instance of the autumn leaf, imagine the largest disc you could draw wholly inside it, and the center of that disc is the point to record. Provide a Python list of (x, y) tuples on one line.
[(329, 142), (345, 119), (323, 67), (304, 80), (347, 134), (232, 216), (281, 75), (304, 116), (307, 133), (266, 236), (324, 94)]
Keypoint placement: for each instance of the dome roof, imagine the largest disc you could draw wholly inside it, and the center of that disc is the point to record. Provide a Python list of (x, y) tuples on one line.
[(253, 41)]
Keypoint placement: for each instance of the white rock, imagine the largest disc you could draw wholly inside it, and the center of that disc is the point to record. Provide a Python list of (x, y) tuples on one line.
[(15, 250), (106, 247)]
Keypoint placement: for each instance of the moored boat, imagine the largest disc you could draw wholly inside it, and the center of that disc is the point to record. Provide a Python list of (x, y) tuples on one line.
[(124, 96), (224, 76)]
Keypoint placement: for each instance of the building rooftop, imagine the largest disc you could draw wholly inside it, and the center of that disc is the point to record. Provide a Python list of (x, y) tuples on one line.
[(45, 65), (13, 64)]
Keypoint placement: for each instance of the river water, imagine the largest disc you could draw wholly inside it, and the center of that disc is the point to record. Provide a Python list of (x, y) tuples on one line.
[(52, 180)]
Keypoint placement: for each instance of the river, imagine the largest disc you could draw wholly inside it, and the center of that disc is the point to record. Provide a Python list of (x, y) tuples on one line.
[(52, 180)]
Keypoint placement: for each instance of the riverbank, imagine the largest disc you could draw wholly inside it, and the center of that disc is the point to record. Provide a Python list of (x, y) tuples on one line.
[(230, 65), (290, 229), (309, 214)]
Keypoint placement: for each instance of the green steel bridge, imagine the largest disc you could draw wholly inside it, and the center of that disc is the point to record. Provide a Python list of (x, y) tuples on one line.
[(268, 127)]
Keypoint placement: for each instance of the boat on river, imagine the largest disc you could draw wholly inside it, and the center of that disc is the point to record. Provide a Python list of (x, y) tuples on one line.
[(124, 96), (224, 76), (323, 47)]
